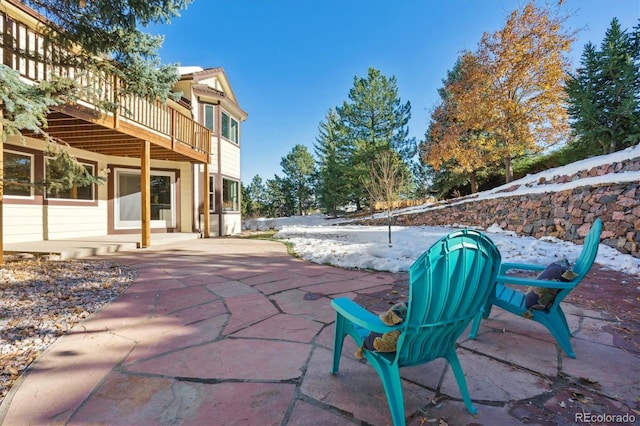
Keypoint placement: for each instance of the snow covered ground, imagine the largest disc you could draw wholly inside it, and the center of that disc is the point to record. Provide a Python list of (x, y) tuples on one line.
[(315, 238)]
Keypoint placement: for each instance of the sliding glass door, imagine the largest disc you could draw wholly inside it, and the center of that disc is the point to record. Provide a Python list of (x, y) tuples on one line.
[(128, 204)]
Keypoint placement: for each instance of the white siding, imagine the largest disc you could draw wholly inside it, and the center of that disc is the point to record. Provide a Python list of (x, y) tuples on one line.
[(213, 164), (22, 223), (77, 221), (30, 222), (186, 198), (230, 159), (231, 223), (212, 82), (214, 225)]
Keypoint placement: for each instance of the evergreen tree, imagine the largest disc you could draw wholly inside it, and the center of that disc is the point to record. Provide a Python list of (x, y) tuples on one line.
[(24, 107), (298, 167), (248, 204), (279, 199), (333, 152), (90, 35), (112, 30), (257, 193), (422, 175), (376, 121), (258, 190), (604, 93)]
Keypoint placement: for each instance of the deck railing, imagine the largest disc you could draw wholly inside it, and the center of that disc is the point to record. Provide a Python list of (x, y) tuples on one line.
[(25, 50)]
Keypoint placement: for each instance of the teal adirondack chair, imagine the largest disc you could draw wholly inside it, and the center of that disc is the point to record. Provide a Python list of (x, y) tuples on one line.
[(448, 286), (513, 300)]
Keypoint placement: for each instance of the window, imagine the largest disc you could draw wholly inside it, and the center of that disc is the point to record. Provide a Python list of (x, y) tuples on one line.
[(209, 117), (212, 194), (229, 128), (76, 192), (128, 203), (230, 200), (18, 174)]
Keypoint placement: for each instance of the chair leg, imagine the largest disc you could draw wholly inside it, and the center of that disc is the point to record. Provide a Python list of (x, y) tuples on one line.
[(556, 323), (475, 326), (390, 376), (454, 363), (339, 334)]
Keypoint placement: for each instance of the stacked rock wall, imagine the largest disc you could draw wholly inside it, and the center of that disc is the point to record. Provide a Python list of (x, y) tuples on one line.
[(566, 214)]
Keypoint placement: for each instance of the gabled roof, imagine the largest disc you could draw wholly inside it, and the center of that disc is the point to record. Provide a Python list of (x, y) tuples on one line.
[(198, 75)]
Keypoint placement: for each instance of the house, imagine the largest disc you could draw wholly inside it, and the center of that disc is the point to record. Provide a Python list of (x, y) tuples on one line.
[(154, 156), (215, 106)]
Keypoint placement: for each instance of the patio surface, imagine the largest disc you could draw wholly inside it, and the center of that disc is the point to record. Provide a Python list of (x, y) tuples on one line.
[(237, 332)]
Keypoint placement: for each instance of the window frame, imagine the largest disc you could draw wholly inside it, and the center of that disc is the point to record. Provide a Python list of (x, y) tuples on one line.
[(212, 193), (31, 156), (230, 128), (212, 109), (122, 224), (92, 170), (235, 203)]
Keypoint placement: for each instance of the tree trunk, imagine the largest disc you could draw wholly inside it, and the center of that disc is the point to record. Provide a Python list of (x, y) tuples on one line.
[(508, 169), (389, 225), (1, 188), (372, 203), (473, 181)]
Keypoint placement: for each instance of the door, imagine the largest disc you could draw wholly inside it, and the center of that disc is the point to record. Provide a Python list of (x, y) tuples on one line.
[(128, 208)]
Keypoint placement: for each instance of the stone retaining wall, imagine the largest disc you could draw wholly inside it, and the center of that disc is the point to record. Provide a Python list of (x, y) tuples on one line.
[(566, 215)]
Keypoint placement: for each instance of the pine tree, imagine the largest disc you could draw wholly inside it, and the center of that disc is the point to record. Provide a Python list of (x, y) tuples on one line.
[(333, 151), (280, 201), (111, 29), (257, 193), (422, 175), (604, 93), (247, 207), (298, 167), (376, 121), (109, 38), (25, 108)]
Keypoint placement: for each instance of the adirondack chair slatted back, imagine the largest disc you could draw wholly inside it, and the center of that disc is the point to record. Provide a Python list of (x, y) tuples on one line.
[(589, 251), (585, 260), (510, 292), (449, 285)]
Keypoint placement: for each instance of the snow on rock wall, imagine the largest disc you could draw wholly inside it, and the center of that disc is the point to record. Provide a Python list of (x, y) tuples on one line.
[(565, 214)]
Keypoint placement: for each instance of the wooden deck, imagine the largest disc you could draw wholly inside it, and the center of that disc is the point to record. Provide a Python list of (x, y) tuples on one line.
[(171, 134)]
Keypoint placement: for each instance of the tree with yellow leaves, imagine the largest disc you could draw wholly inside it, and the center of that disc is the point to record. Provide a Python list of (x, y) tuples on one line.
[(452, 141), (510, 95), (525, 62)]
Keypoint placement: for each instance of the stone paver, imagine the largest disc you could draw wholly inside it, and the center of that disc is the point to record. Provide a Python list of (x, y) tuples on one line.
[(355, 389), (230, 331), (283, 327), (518, 350)]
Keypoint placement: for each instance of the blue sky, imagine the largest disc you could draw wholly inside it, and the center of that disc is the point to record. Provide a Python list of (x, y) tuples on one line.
[(289, 61)]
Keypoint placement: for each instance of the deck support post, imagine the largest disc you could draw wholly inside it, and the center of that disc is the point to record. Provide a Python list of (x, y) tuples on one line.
[(145, 192)]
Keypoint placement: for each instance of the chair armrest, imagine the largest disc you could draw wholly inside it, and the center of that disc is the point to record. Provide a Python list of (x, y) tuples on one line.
[(360, 316), (522, 266), (508, 279)]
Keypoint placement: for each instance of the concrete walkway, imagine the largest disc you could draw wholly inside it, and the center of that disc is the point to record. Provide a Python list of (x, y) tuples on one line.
[(237, 332)]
